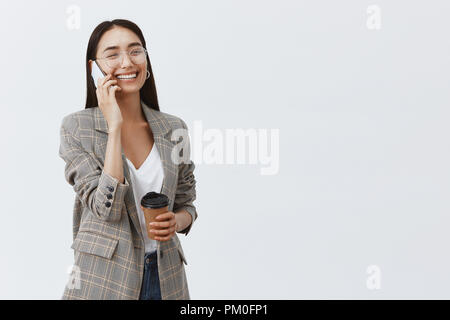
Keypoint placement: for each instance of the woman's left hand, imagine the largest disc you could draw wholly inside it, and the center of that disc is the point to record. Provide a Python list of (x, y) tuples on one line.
[(167, 221)]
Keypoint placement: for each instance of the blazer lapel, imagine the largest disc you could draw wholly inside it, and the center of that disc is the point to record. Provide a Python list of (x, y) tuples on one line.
[(161, 132)]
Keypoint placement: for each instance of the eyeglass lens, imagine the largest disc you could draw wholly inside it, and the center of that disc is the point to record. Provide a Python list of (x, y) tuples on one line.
[(114, 58)]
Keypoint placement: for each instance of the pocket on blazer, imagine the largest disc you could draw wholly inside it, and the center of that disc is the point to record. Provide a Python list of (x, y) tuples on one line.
[(94, 243)]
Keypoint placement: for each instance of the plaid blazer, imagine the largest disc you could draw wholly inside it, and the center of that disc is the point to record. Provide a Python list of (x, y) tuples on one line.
[(107, 239)]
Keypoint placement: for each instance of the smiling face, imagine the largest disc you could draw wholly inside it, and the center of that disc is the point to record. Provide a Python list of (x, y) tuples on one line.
[(114, 44)]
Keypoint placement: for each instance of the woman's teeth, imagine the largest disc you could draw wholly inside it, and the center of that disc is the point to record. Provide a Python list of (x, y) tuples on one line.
[(129, 76)]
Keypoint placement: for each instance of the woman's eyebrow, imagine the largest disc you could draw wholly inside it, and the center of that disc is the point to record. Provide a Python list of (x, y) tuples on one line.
[(132, 44)]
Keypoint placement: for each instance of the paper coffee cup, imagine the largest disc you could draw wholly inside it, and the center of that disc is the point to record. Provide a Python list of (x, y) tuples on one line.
[(153, 204)]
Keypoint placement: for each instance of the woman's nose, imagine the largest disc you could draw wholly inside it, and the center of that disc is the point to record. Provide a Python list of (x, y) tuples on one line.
[(126, 61)]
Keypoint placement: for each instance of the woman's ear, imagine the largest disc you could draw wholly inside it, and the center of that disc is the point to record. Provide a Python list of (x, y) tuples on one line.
[(90, 65)]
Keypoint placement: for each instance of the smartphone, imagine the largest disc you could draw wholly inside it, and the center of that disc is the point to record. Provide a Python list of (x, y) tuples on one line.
[(97, 73)]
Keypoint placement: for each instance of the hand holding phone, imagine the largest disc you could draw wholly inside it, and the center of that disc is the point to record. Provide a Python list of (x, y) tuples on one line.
[(107, 97)]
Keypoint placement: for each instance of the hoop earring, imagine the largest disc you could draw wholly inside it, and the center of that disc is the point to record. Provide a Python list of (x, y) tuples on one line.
[(148, 74)]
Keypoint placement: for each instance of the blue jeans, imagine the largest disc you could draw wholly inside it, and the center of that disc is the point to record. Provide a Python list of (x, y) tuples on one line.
[(150, 289)]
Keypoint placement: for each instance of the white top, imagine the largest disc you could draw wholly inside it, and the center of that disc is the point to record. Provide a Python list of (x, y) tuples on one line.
[(149, 177)]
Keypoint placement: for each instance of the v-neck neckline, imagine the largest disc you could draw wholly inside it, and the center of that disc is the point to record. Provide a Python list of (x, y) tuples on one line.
[(143, 163)]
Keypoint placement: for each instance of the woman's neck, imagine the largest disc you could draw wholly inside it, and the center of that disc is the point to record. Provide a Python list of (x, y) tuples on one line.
[(130, 107)]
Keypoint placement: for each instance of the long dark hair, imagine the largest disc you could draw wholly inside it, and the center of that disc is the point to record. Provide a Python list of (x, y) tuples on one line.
[(148, 90)]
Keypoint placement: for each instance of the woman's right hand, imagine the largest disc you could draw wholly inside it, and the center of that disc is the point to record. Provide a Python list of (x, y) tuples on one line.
[(106, 97)]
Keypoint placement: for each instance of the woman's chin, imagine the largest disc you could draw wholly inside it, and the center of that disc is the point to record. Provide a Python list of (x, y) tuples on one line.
[(127, 90)]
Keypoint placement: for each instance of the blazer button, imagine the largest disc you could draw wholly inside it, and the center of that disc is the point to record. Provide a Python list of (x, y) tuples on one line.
[(108, 204), (109, 196), (111, 189)]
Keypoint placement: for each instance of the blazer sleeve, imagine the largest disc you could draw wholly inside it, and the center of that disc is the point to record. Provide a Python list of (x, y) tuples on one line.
[(102, 193), (186, 193)]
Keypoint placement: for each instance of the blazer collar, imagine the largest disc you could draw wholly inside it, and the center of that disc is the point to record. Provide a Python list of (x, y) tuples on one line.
[(155, 119)]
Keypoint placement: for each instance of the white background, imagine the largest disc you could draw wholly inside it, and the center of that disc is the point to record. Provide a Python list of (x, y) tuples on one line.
[(364, 152)]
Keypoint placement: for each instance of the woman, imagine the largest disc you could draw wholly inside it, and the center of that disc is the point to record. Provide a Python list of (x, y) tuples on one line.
[(117, 149)]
